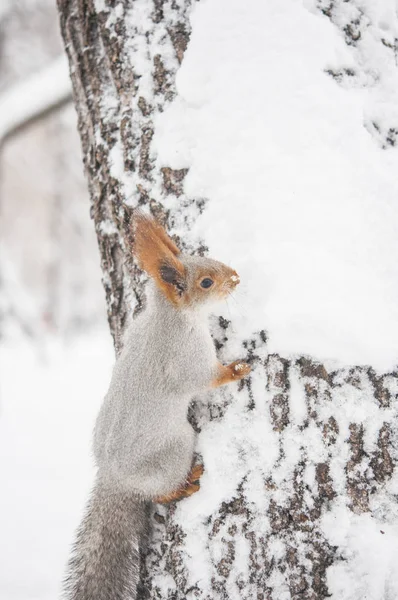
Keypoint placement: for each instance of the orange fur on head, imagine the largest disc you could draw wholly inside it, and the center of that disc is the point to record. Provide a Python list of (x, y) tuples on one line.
[(157, 255)]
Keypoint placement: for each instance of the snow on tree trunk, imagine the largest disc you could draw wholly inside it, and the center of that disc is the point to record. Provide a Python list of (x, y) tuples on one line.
[(300, 460)]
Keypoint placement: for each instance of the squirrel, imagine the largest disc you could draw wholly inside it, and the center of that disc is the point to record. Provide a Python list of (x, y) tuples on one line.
[(143, 442)]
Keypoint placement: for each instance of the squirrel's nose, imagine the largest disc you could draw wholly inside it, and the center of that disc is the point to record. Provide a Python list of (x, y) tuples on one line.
[(235, 279)]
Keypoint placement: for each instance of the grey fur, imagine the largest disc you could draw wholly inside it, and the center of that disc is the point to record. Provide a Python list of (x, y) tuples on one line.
[(143, 443)]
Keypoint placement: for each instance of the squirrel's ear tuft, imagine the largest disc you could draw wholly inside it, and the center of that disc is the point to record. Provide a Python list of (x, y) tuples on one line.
[(146, 226), (157, 255)]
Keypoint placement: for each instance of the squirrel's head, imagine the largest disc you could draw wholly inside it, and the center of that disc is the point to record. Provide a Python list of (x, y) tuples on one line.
[(186, 281)]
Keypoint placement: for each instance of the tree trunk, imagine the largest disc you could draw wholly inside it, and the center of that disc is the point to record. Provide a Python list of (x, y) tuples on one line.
[(268, 540)]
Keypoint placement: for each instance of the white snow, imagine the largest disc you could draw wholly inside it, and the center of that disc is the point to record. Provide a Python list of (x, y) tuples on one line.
[(47, 411), (370, 547), (302, 193), (302, 196)]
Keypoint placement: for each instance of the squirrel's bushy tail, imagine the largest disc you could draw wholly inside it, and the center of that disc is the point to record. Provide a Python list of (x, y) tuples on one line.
[(105, 559)]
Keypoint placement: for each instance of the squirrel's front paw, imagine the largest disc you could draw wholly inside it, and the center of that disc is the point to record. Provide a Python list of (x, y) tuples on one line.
[(239, 369), (195, 473)]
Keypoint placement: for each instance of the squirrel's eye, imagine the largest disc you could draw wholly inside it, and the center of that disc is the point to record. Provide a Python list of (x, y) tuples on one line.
[(206, 283)]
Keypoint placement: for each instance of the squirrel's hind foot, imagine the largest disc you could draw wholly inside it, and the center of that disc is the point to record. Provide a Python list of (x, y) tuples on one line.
[(191, 487)]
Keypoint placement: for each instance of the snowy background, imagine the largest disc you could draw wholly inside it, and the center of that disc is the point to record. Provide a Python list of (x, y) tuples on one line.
[(55, 348), (286, 114)]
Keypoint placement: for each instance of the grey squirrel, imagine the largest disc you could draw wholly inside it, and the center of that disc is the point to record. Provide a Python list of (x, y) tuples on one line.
[(143, 443)]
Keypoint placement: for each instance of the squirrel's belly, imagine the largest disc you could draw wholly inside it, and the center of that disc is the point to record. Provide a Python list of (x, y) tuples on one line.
[(123, 429), (193, 367), (149, 459)]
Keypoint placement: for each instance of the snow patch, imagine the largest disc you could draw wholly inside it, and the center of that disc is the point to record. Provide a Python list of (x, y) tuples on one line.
[(369, 549), (311, 224), (48, 408)]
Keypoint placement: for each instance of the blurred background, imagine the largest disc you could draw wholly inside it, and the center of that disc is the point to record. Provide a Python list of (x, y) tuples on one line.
[(49, 270), (55, 349)]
